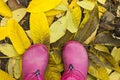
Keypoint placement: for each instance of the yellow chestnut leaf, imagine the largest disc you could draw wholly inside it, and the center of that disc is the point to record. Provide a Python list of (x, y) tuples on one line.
[(76, 16), (89, 5), (4, 9), (39, 28), (58, 29), (70, 24), (8, 50), (17, 36), (42, 5), (5, 76), (3, 33)]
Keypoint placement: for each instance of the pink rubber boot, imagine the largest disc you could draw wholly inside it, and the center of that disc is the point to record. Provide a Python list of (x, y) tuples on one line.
[(34, 62), (75, 60)]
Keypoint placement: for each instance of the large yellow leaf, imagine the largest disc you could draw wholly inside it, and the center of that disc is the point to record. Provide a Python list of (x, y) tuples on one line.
[(8, 49), (58, 29), (3, 33), (17, 36), (4, 9), (70, 24), (5, 76), (42, 5), (39, 28), (76, 15)]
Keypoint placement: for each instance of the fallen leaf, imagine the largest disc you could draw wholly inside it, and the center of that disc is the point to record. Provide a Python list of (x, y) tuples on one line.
[(116, 54), (42, 5), (17, 15), (17, 36), (39, 28), (62, 6), (10, 67), (3, 33), (50, 19), (102, 1), (102, 48), (5, 76), (76, 16), (115, 76), (8, 50), (89, 5), (17, 68), (4, 9), (53, 12), (57, 29), (92, 37), (70, 24)]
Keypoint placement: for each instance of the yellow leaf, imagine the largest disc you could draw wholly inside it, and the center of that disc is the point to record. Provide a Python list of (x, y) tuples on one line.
[(116, 54), (8, 49), (101, 10), (89, 5), (17, 68), (53, 12), (55, 67), (73, 4), (115, 76), (42, 5), (5, 76), (50, 19), (76, 16), (85, 20), (70, 24), (102, 1), (3, 33), (10, 66), (39, 28), (5, 0), (101, 48), (57, 29), (17, 15), (62, 6), (4, 9), (92, 37), (100, 73), (17, 36)]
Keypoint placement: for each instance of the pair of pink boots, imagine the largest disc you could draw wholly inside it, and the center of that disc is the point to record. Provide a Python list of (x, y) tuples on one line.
[(74, 56)]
